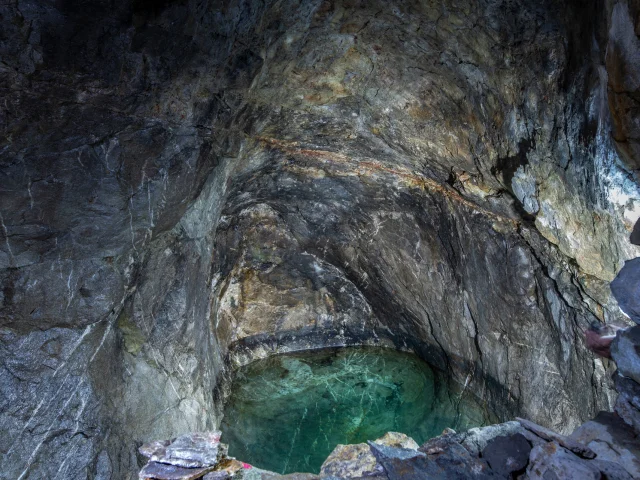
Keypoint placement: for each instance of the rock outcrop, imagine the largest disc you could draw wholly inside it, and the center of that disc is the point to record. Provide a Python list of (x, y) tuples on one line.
[(186, 186)]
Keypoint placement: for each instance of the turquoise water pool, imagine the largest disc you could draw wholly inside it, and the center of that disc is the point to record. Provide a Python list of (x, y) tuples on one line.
[(288, 412)]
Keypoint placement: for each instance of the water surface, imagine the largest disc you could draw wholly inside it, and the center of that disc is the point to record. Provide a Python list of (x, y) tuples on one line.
[(288, 412)]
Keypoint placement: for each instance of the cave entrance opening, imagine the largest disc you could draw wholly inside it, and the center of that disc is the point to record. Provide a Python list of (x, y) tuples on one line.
[(288, 412)]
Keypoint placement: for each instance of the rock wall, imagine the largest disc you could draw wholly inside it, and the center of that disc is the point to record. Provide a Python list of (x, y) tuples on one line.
[(185, 180)]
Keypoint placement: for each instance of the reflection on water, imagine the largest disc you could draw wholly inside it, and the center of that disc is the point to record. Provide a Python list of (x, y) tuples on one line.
[(287, 413)]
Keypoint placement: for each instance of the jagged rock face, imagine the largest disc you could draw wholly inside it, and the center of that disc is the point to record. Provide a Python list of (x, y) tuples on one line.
[(190, 181)]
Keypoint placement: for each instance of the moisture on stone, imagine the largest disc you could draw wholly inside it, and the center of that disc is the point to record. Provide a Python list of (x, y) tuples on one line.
[(288, 412)]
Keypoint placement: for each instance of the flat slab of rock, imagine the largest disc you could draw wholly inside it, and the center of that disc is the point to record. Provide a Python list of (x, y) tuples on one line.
[(163, 471), (570, 444), (193, 450)]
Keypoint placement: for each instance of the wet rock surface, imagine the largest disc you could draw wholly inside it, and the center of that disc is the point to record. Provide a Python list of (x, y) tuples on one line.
[(184, 182)]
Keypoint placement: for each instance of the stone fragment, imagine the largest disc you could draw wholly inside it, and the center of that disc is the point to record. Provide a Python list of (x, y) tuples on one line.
[(350, 461), (566, 442), (551, 461), (476, 439), (163, 471), (612, 440), (625, 352), (396, 439), (507, 455), (626, 289), (191, 450), (157, 447)]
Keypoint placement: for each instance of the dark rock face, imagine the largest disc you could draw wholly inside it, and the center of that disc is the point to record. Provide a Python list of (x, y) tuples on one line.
[(507, 455), (182, 181)]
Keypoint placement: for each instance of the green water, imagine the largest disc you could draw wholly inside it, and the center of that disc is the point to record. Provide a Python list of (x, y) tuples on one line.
[(287, 413)]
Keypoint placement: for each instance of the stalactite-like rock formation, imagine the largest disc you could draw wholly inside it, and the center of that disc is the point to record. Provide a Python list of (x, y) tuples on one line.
[(188, 185)]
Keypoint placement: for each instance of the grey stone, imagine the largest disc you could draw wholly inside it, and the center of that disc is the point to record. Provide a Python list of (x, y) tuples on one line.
[(193, 450)]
